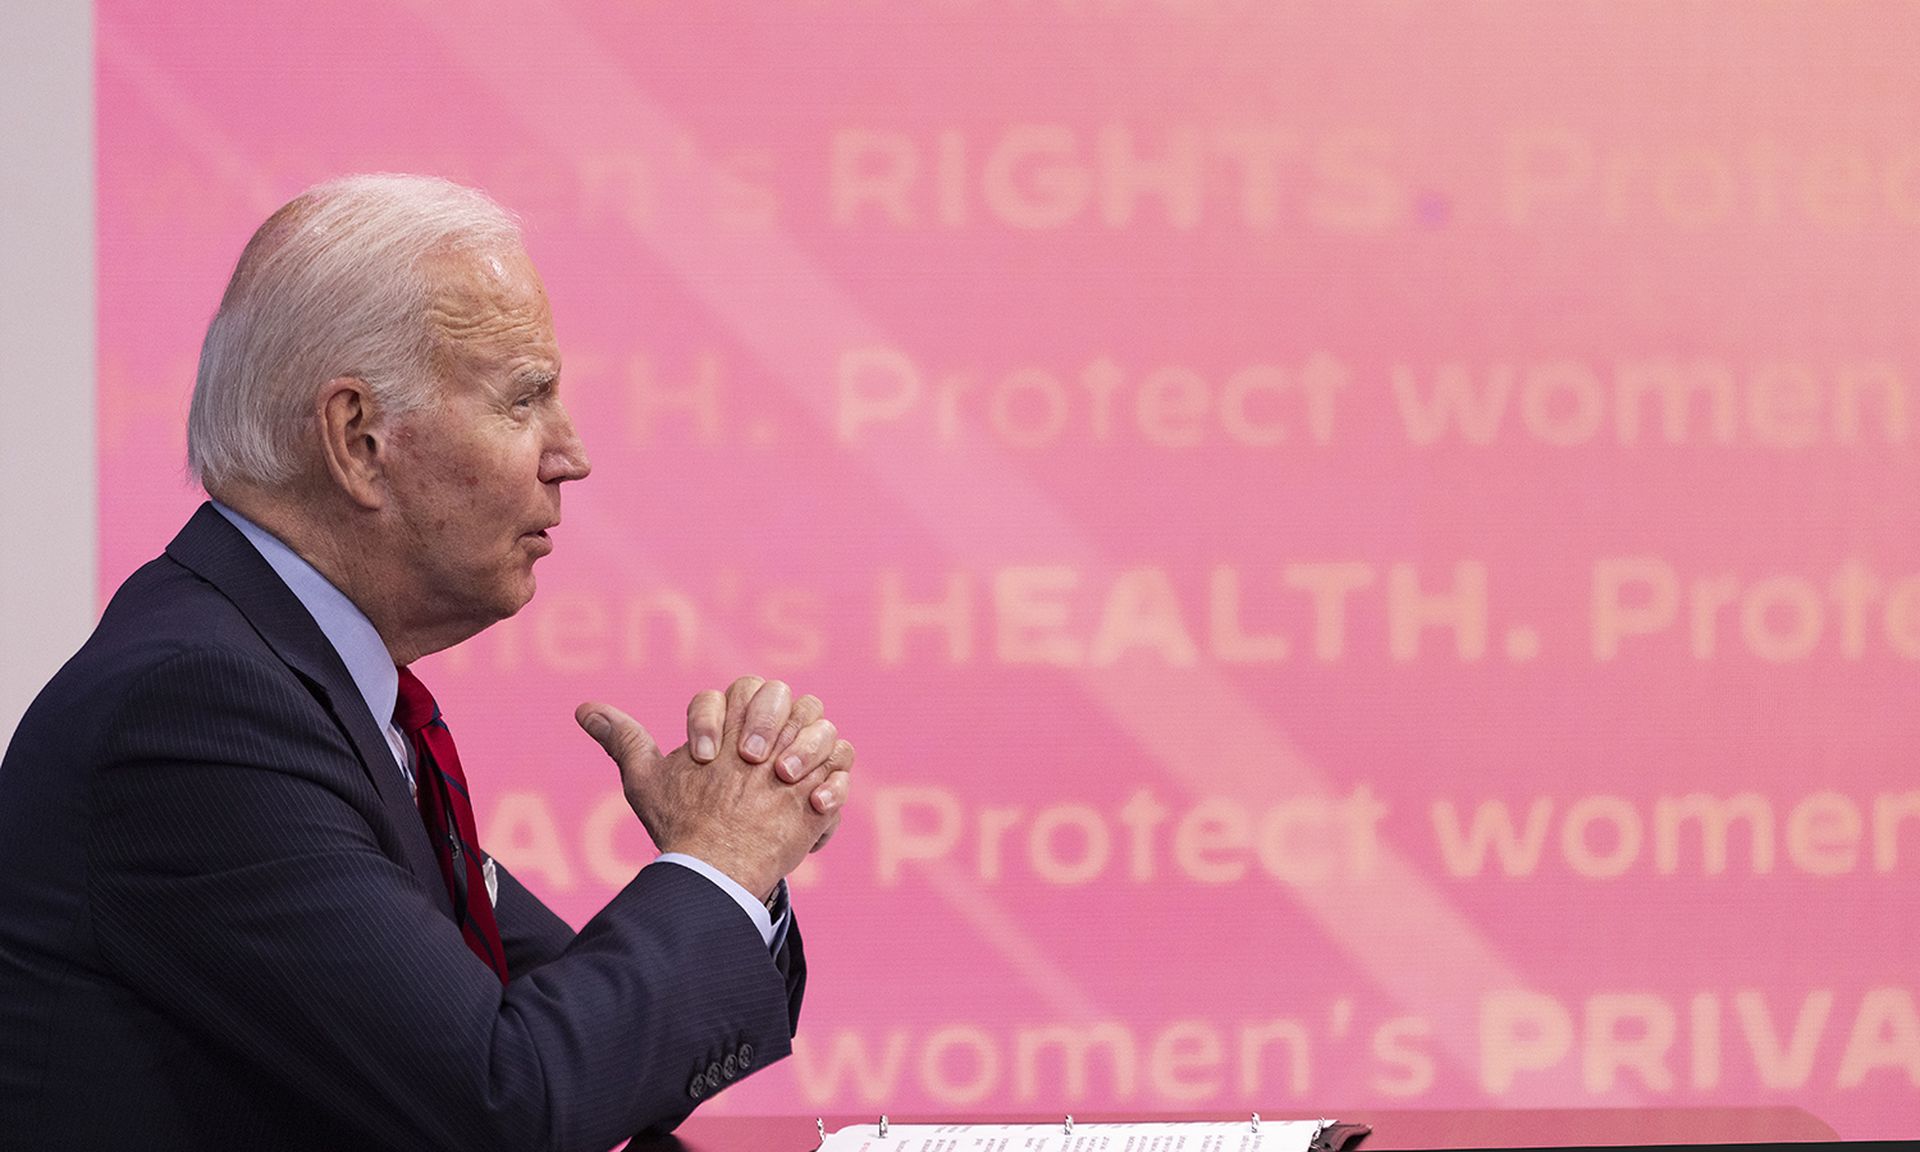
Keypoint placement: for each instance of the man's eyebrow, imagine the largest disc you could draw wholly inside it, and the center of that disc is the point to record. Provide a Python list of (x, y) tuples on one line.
[(536, 378)]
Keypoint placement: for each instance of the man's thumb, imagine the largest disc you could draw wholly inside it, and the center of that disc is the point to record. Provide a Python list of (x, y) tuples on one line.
[(620, 734)]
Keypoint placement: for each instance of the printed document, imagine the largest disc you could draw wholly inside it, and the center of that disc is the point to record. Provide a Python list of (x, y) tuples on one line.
[(1223, 1136)]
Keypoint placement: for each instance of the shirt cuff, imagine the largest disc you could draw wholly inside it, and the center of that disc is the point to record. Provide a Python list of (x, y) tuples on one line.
[(772, 930)]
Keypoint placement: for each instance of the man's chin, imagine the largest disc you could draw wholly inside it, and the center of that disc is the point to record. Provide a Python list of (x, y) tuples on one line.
[(508, 600), (523, 595)]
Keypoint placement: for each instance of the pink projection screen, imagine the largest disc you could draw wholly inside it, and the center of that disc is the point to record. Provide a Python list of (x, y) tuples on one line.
[(1371, 551)]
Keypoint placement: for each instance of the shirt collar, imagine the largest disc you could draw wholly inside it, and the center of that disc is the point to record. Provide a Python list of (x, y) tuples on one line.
[(344, 625)]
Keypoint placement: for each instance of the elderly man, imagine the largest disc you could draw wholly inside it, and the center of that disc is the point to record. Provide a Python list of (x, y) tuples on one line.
[(243, 906)]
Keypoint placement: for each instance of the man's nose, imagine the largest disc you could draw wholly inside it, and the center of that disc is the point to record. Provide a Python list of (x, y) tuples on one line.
[(566, 457)]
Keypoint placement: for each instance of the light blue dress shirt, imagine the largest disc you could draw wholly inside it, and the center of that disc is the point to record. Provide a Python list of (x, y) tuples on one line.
[(371, 666)]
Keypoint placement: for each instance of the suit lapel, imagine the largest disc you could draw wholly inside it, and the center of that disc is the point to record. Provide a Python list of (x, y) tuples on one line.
[(217, 552)]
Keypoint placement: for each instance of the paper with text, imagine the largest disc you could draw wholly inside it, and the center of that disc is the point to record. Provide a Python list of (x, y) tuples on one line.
[(1223, 1136)]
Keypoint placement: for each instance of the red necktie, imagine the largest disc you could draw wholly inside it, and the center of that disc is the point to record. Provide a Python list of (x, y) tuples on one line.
[(448, 813)]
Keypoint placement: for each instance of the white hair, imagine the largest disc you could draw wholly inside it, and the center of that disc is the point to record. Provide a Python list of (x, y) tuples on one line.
[(333, 284)]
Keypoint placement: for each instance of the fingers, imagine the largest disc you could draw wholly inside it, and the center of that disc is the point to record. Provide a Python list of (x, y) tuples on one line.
[(618, 733), (833, 826), (830, 795), (753, 827), (806, 710), (806, 750), (706, 719), (763, 716), (739, 693), (770, 723)]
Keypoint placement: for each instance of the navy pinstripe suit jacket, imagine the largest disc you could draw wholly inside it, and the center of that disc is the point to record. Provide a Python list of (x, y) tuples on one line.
[(221, 925)]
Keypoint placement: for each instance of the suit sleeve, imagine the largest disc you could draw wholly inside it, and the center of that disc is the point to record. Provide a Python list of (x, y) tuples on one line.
[(529, 931), (533, 934), (237, 885)]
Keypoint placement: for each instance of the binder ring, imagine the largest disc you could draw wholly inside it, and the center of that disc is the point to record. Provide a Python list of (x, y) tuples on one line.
[(1067, 1127), (883, 1127)]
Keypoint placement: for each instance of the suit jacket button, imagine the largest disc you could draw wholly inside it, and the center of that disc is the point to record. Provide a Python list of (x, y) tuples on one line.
[(713, 1074), (730, 1067), (745, 1056), (698, 1088)]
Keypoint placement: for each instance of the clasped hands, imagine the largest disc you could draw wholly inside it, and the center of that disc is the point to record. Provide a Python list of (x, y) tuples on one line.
[(760, 782)]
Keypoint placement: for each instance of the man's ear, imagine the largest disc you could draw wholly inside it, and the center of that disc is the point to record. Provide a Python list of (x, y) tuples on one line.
[(352, 441)]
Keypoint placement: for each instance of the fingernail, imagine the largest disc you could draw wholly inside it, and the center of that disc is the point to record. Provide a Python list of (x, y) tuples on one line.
[(824, 800), (790, 767), (596, 725), (756, 746), (703, 748)]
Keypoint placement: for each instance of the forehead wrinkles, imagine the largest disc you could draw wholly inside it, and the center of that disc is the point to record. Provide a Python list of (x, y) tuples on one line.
[(470, 317), (485, 306)]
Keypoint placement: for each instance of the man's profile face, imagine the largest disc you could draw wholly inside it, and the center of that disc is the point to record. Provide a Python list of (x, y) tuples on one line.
[(476, 474)]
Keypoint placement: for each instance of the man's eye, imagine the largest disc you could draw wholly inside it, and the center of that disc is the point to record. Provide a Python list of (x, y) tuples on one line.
[(533, 395)]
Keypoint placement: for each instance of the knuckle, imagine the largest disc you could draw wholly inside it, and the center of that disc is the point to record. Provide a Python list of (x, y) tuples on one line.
[(768, 704)]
